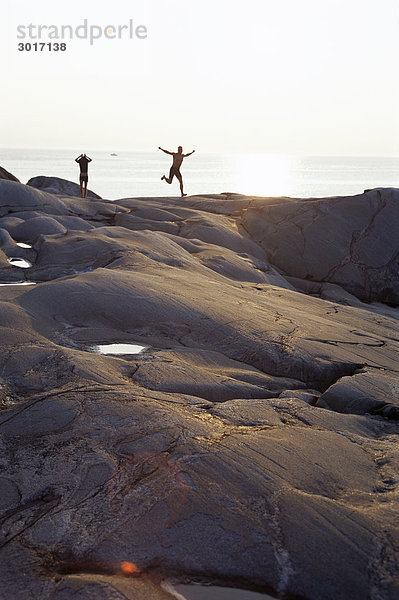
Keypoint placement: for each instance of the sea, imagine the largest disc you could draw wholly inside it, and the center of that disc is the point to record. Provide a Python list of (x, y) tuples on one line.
[(117, 174)]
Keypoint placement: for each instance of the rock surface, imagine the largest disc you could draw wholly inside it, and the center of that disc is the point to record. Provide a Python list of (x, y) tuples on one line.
[(252, 445), (59, 186), (4, 174), (347, 241)]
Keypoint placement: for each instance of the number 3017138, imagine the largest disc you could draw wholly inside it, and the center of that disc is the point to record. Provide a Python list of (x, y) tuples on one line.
[(42, 47)]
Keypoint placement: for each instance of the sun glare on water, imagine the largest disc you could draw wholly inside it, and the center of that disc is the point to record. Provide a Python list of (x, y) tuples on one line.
[(264, 174)]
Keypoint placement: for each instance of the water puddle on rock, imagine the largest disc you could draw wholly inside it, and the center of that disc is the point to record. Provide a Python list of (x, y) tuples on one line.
[(211, 592), (23, 245), (19, 283), (20, 262), (119, 349)]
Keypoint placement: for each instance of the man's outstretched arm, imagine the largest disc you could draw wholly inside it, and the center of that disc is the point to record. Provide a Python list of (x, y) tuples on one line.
[(166, 151), (189, 154)]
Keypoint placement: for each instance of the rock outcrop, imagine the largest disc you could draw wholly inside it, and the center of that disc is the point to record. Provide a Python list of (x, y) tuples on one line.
[(254, 442), (59, 186), (348, 241), (4, 174)]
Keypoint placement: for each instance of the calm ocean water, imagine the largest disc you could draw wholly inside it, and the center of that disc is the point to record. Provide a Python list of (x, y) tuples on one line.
[(133, 174)]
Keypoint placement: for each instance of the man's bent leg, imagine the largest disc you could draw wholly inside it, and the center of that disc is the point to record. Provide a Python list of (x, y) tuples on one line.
[(171, 175)]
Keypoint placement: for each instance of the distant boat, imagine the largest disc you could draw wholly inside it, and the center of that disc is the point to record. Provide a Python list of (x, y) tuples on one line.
[(113, 154)]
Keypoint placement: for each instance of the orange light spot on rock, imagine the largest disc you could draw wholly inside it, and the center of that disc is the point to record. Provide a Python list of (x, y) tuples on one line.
[(128, 568)]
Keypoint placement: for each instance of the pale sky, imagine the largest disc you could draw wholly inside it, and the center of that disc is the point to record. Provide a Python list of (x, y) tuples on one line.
[(316, 77)]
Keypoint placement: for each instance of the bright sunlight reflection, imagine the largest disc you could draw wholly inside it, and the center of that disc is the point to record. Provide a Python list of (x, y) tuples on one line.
[(129, 568), (264, 174)]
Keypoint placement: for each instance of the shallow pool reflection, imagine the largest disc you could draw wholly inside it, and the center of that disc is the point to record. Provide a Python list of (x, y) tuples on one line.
[(20, 262), (211, 592), (19, 283), (119, 348)]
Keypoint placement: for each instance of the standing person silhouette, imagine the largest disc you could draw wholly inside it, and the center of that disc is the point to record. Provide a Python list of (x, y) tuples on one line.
[(83, 162), (175, 168)]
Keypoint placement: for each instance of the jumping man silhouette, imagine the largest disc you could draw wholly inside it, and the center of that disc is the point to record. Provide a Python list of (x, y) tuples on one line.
[(175, 168)]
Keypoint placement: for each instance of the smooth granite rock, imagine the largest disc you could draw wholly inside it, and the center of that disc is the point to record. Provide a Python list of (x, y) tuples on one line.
[(251, 444), (4, 174), (59, 186), (350, 241)]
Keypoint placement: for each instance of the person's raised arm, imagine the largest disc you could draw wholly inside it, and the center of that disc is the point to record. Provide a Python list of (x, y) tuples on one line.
[(79, 157), (166, 151), (88, 158), (189, 154)]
